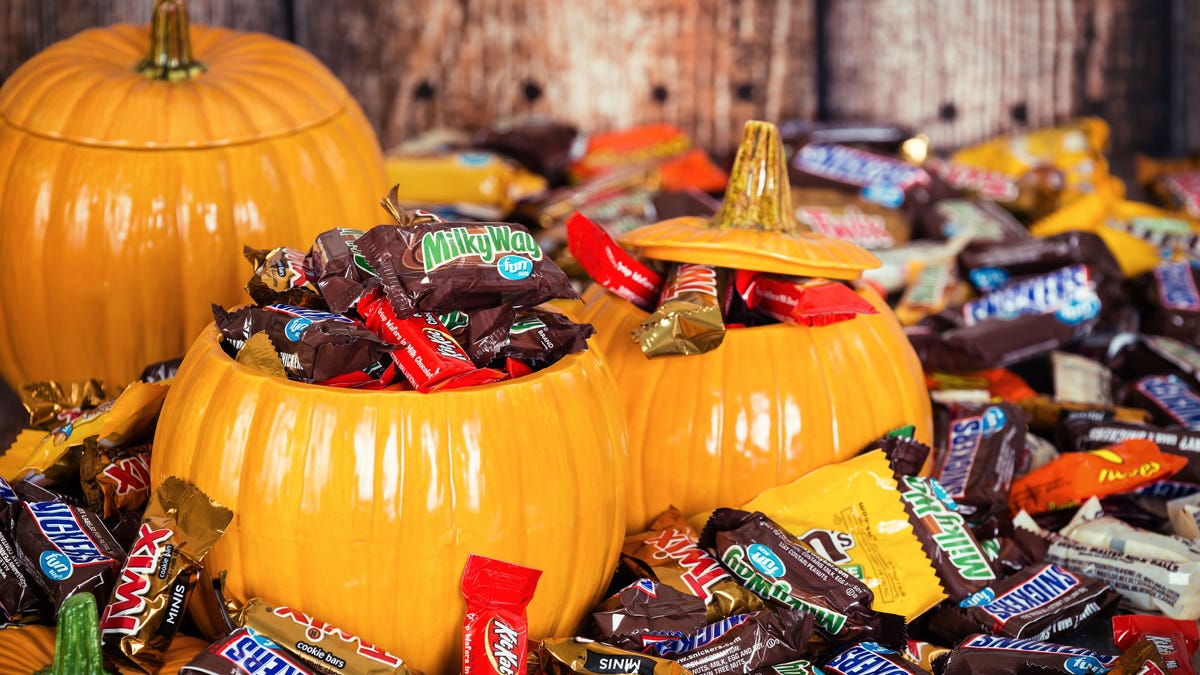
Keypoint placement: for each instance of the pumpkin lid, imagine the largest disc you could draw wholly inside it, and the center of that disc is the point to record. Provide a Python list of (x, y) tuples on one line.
[(756, 228), (86, 90)]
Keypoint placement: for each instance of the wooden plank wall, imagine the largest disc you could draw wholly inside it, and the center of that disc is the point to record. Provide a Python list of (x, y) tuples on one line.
[(961, 71)]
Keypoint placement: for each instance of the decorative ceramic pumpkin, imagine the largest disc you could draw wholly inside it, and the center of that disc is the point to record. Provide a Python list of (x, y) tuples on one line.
[(128, 185), (771, 402), (359, 508), (25, 649)]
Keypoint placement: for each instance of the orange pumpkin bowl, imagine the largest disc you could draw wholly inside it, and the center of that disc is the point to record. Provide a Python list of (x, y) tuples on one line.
[(360, 508), (766, 407), (769, 403), (126, 196)]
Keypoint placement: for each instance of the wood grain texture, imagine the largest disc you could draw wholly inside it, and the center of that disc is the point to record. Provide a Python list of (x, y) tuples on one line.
[(707, 65), (1185, 86), (29, 26), (962, 72)]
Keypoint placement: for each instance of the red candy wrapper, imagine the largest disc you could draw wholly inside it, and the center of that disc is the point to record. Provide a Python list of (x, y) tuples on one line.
[(496, 631), (610, 265), (428, 356), (1175, 639), (815, 302)]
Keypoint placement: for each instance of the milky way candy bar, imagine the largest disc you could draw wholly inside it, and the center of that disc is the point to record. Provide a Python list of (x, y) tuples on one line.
[(439, 267), (777, 567)]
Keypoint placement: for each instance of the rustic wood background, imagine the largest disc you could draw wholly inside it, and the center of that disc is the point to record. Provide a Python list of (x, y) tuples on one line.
[(960, 71)]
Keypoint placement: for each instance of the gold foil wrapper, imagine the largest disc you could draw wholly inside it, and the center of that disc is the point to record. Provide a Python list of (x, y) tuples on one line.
[(923, 654), (1045, 412), (179, 527), (259, 353), (114, 480), (50, 403), (324, 648), (1142, 658), (688, 319), (559, 656), (668, 554)]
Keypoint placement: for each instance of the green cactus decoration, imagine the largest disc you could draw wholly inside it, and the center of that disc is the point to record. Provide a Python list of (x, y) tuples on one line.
[(77, 640)]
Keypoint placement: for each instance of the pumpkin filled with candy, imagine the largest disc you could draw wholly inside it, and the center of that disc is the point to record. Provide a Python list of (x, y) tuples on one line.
[(754, 358), (396, 401)]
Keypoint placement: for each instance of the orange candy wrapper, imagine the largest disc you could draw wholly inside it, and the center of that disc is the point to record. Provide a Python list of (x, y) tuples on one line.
[(1075, 476)]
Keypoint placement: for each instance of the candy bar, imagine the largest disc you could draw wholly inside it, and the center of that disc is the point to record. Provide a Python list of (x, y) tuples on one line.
[(1175, 640), (560, 656), (1091, 525), (282, 276), (440, 267), (495, 634), (539, 338), (313, 345), (114, 479), (743, 643), (814, 302), (978, 449), (1170, 399), (428, 356), (1039, 602), (65, 549), (956, 554), (777, 567), (688, 318), (244, 652), (610, 265), (668, 553), (483, 333), (869, 657), (647, 612), (1140, 658), (838, 214), (147, 605), (994, 655), (320, 647), (342, 272)]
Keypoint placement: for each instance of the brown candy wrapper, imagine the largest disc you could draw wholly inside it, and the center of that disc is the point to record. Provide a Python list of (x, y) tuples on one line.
[(1171, 302), (647, 612), (439, 267), (1132, 355), (51, 404), (243, 653), (977, 219), (179, 527), (1040, 602), (797, 667), (1141, 658), (539, 338), (1171, 400), (313, 345), (994, 655), (342, 272), (560, 656), (65, 549), (957, 556), (743, 643), (282, 276), (688, 319), (20, 597), (776, 566), (114, 480), (978, 448), (668, 553), (868, 657), (322, 648), (482, 333)]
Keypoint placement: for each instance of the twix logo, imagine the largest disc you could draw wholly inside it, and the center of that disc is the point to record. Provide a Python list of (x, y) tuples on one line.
[(130, 474), (315, 630), (694, 279), (703, 570), (123, 615)]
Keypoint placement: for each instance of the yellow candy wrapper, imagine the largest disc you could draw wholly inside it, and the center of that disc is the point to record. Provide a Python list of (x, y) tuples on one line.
[(1127, 228), (1068, 159), (51, 457), (851, 514), (476, 182)]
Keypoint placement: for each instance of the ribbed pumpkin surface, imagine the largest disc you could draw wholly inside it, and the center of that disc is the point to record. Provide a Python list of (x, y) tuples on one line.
[(765, 407), (360, 508), (24, 649), (124, 201)]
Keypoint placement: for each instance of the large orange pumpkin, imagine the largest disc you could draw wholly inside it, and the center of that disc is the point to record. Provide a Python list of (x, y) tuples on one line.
[(129, 184), (771, 402), (360, 508)]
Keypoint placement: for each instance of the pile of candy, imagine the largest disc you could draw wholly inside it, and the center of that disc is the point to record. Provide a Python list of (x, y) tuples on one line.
[(446, 304)]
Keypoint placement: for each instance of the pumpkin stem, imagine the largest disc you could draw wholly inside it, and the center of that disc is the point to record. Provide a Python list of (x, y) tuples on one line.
[(759, 196), (170, 56)]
